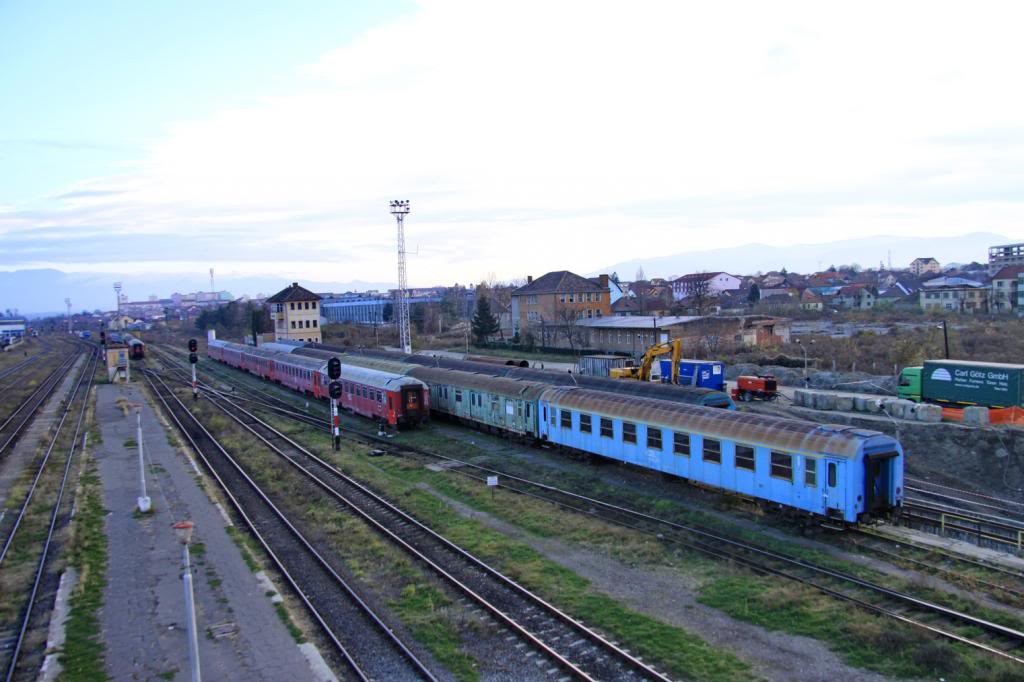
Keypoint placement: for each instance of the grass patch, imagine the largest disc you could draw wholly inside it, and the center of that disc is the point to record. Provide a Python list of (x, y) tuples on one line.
[(424, 609), (293, 630), (83, 654), (131, 443)]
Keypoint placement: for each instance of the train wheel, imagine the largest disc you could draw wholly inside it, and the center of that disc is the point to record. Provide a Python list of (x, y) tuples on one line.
[(746, 397)]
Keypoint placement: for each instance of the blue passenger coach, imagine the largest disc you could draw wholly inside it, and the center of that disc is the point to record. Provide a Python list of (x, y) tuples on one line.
[(836, 471)]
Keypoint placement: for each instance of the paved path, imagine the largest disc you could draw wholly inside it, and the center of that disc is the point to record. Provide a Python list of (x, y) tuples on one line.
[(143, 620)]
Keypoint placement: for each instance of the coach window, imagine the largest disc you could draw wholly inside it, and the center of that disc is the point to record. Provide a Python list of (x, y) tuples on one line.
[(831, 474), (527, 410), (810, 472), (458, 396), (745, 457), (681, 443), (380, 398), (712, 451), (606, 428), (782, 465), (585, 423), (553, 416), (628, 432), (653, 438), (566, 419)]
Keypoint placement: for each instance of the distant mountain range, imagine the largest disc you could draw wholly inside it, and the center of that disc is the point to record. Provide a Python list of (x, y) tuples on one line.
[(42, 292), (867, 252)]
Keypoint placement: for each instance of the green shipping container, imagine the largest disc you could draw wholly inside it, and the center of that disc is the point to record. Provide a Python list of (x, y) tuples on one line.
[(963, 382)]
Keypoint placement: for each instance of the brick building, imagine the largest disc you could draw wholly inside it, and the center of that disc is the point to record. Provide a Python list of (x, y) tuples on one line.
[(558, 298), (295, 312)]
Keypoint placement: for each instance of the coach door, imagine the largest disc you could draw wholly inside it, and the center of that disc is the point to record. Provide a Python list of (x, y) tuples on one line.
[(411, 401), (878, 481), (835, 491)]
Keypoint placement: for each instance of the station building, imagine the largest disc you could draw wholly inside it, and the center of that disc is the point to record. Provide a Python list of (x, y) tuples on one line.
[(295, 312)]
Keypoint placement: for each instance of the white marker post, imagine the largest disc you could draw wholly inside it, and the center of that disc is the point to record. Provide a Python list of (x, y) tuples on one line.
[(183, 530), (492, 483), (144, 502)]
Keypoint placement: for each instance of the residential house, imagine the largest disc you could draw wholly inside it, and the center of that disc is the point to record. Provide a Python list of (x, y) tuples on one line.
[(710, 283), (920, 266), (765, 331), (811, 301), (295, 313), (559, 297), (1003, 298), (954, 294), (856, 297)]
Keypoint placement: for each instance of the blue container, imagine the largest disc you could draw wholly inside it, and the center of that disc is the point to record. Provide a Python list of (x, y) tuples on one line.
[(702, 373)]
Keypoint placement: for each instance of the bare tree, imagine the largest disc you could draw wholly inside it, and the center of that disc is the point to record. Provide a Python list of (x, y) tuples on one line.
[(640, 274), (700, 295)]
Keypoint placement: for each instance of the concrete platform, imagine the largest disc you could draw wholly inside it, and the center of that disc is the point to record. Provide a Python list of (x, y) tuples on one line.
[(143, 619)]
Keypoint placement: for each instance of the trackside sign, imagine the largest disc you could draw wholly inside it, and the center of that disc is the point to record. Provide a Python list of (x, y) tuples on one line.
[(972, 383)]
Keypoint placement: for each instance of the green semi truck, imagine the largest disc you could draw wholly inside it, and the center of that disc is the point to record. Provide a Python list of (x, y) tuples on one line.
[(963, 382)]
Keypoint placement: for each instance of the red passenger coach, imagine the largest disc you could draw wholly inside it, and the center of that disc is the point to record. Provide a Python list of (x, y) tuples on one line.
[(399, 400)]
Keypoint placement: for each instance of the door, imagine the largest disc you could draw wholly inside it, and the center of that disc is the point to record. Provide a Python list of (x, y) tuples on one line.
[(835, 499), (878, 481)]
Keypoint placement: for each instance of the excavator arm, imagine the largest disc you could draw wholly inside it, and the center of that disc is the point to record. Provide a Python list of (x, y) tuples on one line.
[(643, 370)]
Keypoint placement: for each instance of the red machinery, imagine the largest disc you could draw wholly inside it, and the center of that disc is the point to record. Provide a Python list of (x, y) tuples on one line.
[(749, 388)]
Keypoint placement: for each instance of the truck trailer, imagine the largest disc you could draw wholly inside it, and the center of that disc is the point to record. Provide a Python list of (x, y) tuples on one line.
[(963, 382)]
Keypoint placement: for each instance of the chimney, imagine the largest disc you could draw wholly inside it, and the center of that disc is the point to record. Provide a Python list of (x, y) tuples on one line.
[(295, 284), (604, 281), (529, 279)]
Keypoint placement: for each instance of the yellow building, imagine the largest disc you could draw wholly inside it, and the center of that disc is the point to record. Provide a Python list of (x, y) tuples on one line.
[(295, 312)]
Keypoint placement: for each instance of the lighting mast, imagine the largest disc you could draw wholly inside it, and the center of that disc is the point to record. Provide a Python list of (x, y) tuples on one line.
[(400, 209), (117, 293)]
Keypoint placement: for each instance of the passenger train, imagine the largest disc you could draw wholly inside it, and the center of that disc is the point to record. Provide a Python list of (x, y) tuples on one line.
[(838, 472), (398, 400)]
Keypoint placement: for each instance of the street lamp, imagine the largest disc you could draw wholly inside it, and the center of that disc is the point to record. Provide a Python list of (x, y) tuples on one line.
[(183, 531), (804, 349)]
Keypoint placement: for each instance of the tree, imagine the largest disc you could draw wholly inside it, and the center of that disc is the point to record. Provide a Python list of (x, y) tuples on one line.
[(699, 291), (755, 294), (484, 324), (640, 274), (614, 277)]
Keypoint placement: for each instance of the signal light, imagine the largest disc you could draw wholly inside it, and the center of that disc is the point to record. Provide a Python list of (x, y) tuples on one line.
[(192, 346), (193, 358), (334, 368), (334, 388)]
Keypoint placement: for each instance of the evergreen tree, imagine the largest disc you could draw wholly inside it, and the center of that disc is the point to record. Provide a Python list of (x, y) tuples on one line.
[(755, 294), (614, 277), (485, 323)]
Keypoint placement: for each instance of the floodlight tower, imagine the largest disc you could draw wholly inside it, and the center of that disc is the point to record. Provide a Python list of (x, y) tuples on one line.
[(117, 293), (212, 290), (67, 302), (400, 209)]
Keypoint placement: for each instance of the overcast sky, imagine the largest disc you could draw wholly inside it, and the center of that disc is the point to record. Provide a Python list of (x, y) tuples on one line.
[(268, 138)]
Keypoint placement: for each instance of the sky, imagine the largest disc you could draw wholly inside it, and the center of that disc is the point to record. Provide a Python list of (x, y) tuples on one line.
[(267, 138)]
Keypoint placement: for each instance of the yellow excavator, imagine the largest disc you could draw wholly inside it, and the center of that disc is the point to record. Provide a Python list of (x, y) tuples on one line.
[(643, 370)]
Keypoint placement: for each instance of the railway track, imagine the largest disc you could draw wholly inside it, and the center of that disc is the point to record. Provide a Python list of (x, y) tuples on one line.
[(17, 367), (994, 638), (21, 416), (367, 645), (565, 643), (81, 394), (984, 530)]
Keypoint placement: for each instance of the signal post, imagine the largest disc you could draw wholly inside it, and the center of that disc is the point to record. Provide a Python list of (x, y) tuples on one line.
[(193, 346), (334, 390)]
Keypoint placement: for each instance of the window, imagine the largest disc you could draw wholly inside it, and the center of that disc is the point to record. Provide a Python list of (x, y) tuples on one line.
[(572, 298), (314, 305), (782, 465), (552, 417), (598, 298), (561, 298), (681, 444), (293, 324), (279, 307), (458, 396), (314, 323), (745, 457), (585, 423), (307, 324), (831, 474), (606, 428), (527, 410), (628, 432), (566, 419), (653, 438), (712, 451), (810, 472)]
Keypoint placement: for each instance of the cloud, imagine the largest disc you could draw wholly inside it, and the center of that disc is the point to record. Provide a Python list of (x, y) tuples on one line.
[(534, 136)]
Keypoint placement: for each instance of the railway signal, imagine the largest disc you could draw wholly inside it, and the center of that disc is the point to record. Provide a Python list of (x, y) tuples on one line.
[(193, 346), (334, 390)]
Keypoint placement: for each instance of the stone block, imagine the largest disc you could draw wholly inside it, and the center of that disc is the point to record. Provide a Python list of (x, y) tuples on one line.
[(976, 416), (844, 403), (802, 399), (929, 413), (824, 401)]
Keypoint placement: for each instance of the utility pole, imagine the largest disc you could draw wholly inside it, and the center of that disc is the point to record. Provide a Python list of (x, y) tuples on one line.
[(117, 310), (67, 302), (212, 290), (400, 209), (945, 338)]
